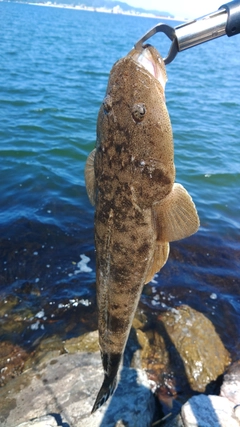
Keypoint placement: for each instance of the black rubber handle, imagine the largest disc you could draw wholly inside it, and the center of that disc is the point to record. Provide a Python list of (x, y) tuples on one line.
[(233, 21)]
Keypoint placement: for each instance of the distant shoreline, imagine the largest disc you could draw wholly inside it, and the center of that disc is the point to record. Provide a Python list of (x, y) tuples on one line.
[(115, 11)]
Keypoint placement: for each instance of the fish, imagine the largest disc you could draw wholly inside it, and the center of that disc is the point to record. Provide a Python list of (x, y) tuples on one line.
[(139, 209)]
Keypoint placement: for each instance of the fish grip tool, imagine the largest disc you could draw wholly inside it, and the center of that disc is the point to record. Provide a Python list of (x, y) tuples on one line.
[(225, 21)]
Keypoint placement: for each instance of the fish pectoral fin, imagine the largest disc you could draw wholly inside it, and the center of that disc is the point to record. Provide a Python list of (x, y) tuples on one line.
[(160, 258), (175, 218), (90, 177), (176, 215)]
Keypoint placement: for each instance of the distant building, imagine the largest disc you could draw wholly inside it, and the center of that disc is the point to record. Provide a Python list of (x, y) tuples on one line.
[(117, 9)]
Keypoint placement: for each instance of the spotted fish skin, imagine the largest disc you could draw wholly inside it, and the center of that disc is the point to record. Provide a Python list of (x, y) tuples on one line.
[(139, 210)]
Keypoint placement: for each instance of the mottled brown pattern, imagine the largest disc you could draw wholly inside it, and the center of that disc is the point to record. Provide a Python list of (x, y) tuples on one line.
[(133, 173)]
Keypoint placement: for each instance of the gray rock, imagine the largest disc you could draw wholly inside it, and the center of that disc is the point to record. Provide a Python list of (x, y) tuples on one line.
[(231, 383), (237, 412), (209, 411), (67, 386), (132, 405), (45, 421)]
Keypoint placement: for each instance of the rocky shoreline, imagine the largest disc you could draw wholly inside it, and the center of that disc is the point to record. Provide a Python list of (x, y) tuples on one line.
[(184, 353)]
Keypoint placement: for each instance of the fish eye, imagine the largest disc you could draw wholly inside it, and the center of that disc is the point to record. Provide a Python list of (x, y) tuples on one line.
[(138, 112), (107, 104)]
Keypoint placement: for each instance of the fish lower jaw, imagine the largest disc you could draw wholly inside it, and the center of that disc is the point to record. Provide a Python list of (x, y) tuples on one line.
[(146, 63), (152, 63)]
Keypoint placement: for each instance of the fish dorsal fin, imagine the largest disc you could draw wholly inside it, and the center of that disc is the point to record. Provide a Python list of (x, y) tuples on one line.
[(160, 257), (176, 215), (90, 177)]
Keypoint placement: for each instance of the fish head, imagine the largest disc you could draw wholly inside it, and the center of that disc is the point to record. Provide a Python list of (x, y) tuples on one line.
[(134, 133), (138, 78)]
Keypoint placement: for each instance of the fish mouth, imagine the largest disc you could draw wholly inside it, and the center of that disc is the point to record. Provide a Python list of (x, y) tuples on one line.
[(150, 59)]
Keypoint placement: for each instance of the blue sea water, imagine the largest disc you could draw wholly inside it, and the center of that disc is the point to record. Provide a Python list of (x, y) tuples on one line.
[(54, 68)]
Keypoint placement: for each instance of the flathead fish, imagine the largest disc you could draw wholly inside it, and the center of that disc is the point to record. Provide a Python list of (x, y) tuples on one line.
[(139, 209)]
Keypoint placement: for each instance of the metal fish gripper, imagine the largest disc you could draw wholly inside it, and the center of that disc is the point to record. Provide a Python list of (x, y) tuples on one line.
[(225, 21)]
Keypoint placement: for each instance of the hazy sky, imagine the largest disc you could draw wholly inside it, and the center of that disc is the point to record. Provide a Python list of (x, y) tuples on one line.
[(184, 8)]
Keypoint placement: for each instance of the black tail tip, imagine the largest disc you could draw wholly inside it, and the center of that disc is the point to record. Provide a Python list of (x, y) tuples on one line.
[(104, 393)]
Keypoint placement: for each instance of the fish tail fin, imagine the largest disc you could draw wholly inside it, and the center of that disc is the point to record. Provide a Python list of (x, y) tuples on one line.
[(111, 363), (104, 393)]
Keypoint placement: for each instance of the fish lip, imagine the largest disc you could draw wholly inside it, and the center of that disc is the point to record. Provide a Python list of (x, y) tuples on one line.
[(150, 60)]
